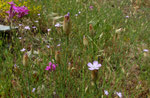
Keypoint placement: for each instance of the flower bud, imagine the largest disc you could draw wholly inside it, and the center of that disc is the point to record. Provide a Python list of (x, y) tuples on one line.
[(25, 59), (57, 56), (85, 41), (91, 30), (67, 24)]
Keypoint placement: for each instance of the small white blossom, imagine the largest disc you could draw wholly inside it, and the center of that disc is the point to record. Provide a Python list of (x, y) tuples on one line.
[(27, 27), (48, 30), (57, 25), (119, 94), (22, 50), (106, 92), (33, 90), (36, 21), (145, 50)]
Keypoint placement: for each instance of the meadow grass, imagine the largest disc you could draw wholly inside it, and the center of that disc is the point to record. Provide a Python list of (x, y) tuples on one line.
[(121, 33)]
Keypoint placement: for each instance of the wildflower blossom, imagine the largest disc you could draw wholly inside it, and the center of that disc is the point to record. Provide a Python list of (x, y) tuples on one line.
[(36, 21), (106, 92), (57, 25), (58, 45), (27, 27), (22, 50), (51, 66), (91, 7), (48, 46), (33, 90), (79, 12), (119, 94), (20, 37), (145, 50), (20, 11), (15, 65), (39, 14), (94, 66), (76, 15), (34, 27), (20, 24), (127, 16), (48, 30)]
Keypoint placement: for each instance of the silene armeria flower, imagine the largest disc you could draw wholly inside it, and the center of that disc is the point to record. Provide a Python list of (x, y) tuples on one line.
[(51, 67), (94, 66), (91, 7)]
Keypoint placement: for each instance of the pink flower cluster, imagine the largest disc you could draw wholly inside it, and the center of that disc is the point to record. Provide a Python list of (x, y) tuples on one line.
[(20, 11), (51, 66)]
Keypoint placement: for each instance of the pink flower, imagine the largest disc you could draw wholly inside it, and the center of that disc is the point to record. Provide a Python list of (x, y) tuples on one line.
[(91, 7), (20, 11), (51, 67), (48, 68), (94, 66)]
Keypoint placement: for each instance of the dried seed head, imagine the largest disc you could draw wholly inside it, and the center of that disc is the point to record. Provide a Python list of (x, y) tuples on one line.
[(57, 56), (67, 24), (91, 30), (85, 41), (25, 59)]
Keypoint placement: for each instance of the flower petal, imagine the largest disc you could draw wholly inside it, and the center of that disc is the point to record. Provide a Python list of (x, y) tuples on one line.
[(91, 68), (99, 65), (95, 63), (96, 68), (50, 63), (90, 64)]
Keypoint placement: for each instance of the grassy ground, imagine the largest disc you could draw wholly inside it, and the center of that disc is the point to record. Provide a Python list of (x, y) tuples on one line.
[(121, 33)]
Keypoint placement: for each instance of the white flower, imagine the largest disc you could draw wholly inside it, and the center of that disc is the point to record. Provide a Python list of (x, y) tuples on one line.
[(20, 37), (33, 89), (119, 94), (20, 24), (22, 50), (76, 15), (34, 27), (58, 45), (36, 21), (145, 50), (48, 46), (94, 66), (27, 27), (106, 92), (57, 25), (48, 30), (127, 16)]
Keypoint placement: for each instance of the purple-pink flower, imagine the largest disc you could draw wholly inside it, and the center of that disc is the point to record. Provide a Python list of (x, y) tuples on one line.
[(51, 67), (20, 11), (91, 7)]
